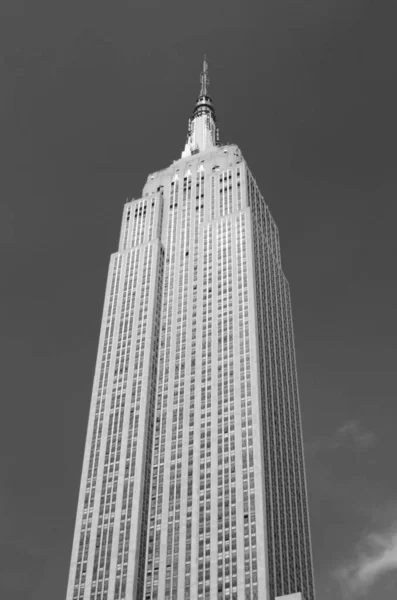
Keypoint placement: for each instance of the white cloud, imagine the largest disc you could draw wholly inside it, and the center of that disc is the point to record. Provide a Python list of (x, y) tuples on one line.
[(375, 556), (349, 434), (353, 432)]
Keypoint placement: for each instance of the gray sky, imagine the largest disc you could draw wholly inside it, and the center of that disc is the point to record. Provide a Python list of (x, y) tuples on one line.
[(94, 96)]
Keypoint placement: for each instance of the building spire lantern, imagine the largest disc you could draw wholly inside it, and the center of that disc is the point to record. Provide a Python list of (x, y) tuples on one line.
[(202, 130)]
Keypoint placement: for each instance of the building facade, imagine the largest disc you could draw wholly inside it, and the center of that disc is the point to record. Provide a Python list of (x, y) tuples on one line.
[(193, 481)]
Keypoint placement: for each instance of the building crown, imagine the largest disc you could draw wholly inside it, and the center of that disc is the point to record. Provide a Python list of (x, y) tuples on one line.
[(203, 131)]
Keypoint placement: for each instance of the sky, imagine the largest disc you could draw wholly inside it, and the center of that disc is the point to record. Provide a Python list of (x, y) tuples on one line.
[(94, 96)]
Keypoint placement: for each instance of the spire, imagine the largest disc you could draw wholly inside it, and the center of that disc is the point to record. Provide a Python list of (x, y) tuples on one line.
[(205, 80), (203, 131)]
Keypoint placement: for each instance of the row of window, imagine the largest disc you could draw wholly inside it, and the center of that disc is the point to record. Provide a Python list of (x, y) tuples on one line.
[(289, 552)]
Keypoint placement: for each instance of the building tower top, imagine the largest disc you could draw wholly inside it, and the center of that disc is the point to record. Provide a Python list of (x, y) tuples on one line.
[(203, 131)]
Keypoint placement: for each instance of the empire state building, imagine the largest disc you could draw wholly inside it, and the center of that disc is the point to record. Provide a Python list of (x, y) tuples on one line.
[(193, 479)]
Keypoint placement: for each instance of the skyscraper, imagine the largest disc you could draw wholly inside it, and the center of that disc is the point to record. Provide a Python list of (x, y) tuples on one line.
[(193, 481)]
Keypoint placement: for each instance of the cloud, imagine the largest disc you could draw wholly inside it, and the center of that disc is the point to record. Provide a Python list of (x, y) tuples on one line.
[(351, 432), (375, 556)]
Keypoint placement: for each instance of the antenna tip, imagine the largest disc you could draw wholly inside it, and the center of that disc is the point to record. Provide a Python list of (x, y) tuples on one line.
[(204, 77)]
